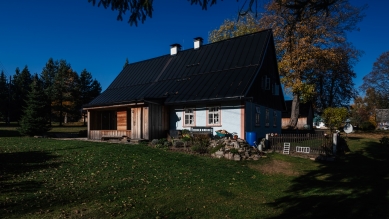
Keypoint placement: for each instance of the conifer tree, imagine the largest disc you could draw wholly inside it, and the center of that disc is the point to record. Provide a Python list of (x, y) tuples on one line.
[(3, 96), (20, 87), (47, 77), (89, 89), (35, 118)]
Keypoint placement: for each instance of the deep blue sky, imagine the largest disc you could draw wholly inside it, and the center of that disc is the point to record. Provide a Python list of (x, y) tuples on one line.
[(90, 37)]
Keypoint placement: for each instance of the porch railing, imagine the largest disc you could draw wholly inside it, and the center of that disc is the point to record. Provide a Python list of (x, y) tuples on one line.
[(301, 143), (98, 134)]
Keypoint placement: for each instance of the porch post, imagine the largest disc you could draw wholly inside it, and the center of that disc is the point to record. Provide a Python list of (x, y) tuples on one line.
[(88, 126), (334, 142)]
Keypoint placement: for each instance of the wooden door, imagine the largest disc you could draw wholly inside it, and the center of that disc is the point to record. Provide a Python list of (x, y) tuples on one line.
[(136, 123), (145, 123)]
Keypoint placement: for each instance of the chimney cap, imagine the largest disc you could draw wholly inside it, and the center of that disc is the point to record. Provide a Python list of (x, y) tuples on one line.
[(176, 45), (198, 39)]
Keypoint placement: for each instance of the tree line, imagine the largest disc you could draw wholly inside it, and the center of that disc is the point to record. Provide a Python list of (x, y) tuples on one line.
[(59, 89)]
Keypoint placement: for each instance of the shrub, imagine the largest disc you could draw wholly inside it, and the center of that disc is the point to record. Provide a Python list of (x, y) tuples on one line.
[(367, 126), (82, 133), (384, 141), (214, 149), (234, 151), (200, 144)]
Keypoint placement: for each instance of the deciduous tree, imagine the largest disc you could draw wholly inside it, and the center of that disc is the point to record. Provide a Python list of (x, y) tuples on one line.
[(65, 90), (141, 9), (334, 117), (378, 80), (305, 38), (312, 48)]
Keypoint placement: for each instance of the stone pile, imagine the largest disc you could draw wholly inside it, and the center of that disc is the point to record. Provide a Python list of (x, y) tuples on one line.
[(235, 150)]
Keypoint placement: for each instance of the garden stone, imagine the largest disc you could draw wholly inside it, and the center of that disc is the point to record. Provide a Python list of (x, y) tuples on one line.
[(154, 142), (178, 144), (229, 156), (219, 154)]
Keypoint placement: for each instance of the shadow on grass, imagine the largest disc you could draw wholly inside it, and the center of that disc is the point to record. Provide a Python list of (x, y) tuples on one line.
[(9, 133), (355, 186), (13, 166)]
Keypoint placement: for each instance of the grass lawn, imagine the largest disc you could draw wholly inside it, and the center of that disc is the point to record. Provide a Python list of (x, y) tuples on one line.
[(48, 178)]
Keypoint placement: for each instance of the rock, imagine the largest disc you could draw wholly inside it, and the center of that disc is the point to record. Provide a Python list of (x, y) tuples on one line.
[(229, 156), (236, 157), (219, 154), (154, 142), (178, 144)]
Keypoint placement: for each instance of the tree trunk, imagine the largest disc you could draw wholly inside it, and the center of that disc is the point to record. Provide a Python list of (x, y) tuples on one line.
[(295, 111)]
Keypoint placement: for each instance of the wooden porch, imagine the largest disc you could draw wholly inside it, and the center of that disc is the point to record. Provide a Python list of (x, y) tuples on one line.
[(146, 121), (101, 134)]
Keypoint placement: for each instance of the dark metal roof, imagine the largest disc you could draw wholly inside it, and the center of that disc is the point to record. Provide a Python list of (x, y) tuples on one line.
[(219, 71)]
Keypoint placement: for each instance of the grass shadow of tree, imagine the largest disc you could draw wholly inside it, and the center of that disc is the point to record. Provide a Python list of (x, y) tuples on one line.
[(355, 186), (15, 165), (9, 133)]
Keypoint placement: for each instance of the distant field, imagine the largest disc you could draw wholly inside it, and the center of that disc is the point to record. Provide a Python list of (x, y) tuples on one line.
[(48, 178)]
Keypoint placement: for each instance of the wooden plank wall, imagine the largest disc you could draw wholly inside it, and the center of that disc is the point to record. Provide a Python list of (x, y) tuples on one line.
[(158, 121), (122, 120)]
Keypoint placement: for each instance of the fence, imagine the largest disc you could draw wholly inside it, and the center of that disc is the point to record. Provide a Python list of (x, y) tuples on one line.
[(301, 143)]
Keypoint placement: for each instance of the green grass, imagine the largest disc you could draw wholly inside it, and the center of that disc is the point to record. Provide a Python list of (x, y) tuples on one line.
[(47, 178)]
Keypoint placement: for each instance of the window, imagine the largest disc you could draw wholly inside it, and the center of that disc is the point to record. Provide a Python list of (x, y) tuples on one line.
[(265, 83), (267, 119), (214, 115), (189, 117), (108, 120), (274, 118), (276, 89), (257, 116)]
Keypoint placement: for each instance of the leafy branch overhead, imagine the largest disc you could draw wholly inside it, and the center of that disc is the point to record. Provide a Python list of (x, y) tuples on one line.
[(141, 9)]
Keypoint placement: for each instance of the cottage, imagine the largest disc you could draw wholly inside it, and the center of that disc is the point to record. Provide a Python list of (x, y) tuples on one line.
[(233, 84)]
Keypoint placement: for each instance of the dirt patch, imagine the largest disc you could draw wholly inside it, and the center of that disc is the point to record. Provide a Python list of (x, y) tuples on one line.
[(373, 135), (275, 167)]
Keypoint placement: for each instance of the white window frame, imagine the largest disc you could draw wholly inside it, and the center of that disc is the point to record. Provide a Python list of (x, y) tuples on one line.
[(213, 111), (189, 116)]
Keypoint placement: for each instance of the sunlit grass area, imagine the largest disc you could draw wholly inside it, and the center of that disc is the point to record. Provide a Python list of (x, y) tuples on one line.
[(48, 178)]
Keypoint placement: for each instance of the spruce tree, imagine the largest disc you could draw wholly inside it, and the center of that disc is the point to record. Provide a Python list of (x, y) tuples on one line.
[(4, 95), (47, 76), (34, 120), (20, 87)]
